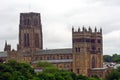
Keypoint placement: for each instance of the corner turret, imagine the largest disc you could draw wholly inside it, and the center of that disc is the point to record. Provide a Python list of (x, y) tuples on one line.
[(7, 47)]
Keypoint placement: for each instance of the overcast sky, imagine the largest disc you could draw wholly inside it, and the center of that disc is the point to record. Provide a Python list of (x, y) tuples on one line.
[(59, 16)]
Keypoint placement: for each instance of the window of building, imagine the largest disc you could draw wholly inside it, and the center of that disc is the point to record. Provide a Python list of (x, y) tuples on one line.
[(26, 40), (87, 40), (93, 62), (48, 58), (53, 57), (78, 71), (88, 49), (93, 48), (99, 41), (78, 49), (26, 22), (36, 58), (92, 40), (68, 66), (99, 50), (61, 57), (78, 40), (40, 57), (37, 40), (68, 57)]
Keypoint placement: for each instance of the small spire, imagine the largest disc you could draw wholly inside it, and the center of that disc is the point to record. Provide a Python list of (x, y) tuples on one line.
[(5, 47), (100, 30), (95, 29), (5, 42), (72, 28), (78, 29), (83, 28), (90, 30)]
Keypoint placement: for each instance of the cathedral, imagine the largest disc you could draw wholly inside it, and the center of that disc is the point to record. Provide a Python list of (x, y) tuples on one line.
[(85, 57)]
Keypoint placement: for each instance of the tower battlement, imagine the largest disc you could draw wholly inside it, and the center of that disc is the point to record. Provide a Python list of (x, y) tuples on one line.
[(89, 30), (29, 20)]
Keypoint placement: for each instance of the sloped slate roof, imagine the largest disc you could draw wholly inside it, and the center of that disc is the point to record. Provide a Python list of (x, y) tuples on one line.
[(3, 54), (55, 51)]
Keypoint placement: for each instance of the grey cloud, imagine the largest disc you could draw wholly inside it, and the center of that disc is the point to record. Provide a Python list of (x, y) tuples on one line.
[(106, 2), (60, 18)]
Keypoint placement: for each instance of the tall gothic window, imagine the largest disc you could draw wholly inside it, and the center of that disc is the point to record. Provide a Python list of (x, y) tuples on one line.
[(26, 40), (93, 62), (75, 49), (78, 49), (78, 71), (37, 40)]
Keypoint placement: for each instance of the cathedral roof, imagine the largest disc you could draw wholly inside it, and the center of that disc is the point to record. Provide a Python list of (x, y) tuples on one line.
[(55, 51)]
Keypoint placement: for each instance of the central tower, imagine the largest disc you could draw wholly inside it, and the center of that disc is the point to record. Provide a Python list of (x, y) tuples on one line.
[(30, 32)]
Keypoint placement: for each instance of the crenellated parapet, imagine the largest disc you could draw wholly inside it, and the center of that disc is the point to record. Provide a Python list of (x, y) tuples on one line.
[(87, 30)]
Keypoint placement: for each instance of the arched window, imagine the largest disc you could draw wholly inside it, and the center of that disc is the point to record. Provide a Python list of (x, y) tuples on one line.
[(26, 40), (37, 40), (93, 62)]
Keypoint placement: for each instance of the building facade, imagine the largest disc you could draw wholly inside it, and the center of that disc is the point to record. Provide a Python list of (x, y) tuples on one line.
[(87, 50), (85, 56)]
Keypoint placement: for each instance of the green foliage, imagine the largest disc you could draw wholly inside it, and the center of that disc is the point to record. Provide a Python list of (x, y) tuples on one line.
[(93, 78), (114, 74), (81, 77), (44, 64), (16, 71), (107, 58), (116, 58), (113, 58), (13, 70), (6, 76)]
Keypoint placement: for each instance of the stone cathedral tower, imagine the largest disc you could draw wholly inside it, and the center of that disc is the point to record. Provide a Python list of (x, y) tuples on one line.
[(87, 50), (30, 32)]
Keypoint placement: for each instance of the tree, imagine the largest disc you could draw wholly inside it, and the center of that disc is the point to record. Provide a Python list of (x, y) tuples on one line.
[(18, 71), (113, 58), (81, 77), (107, 58), (6, 76), (113, 75), (116, 58), (44, 64)]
